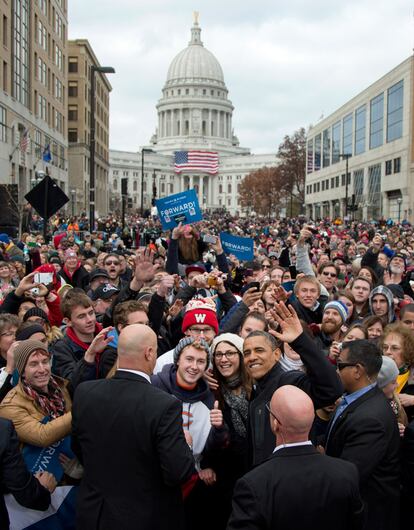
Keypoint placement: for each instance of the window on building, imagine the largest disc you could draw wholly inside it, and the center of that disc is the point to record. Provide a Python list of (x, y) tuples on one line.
[(358, 185), (228, 188), (73, 64), (3, 124), (347, 134), (388, 167), (327, 184), (5, 35), (221, 188), (58, 90), (360, 119), (115, 184), (323, 185), (135, 186), (72, 112), (42, 107), (41, 35), (73, 135), (309, 157), (376, 121), (318, 187), (326, 141), (395, 103), (317, 165), (38, 143), (374, 191), (337, 182), (58, 58), (73, 89), (397, 165), (59, 27), (21, 36), (336, 142), (43, 6)]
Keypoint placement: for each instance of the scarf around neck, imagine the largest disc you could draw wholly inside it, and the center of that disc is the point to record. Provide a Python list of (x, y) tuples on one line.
[(51, 404)]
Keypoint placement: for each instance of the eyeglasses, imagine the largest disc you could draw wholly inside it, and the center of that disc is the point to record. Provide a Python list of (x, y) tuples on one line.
[(197, 331), (111, 262), (266, 266), (332, 274), (340, 365), (393, 349), (8, 334), (271, 413), (228, 354)]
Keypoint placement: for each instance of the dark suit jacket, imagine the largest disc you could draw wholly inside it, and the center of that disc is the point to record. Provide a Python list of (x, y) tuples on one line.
[(15, 478), (297, 487), (321, 383), (366, 433), (129, 437)]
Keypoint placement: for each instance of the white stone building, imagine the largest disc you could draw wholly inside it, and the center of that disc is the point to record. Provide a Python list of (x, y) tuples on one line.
[(194, 113), (375, 128)]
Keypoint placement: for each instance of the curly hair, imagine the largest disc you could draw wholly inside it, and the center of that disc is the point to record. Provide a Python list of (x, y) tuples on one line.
[(407, 338)]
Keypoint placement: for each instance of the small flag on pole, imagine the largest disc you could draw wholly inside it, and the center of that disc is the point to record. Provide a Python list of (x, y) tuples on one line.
[(24, 140), (47, 155)]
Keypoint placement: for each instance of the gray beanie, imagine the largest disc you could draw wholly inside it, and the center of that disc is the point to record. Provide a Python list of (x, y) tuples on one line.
[(187, 341), (231, 338), (23, 351), (389, 371)]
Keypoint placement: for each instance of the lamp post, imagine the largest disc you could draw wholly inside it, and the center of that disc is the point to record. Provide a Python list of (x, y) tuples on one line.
[(399, 201), (143, 150), (347, 156), (73, 198), (101, 70)]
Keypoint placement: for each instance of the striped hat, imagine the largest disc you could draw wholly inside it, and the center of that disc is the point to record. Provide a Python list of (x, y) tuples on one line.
[(340, 307), (187, 341), (23, 351)]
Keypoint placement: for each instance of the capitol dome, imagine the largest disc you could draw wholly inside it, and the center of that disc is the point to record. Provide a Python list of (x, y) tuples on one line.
[(195, 64), (194, 111)]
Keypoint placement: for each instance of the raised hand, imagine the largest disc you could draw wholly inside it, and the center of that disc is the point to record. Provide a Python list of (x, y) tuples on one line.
[(166, 285), (178, 231), (287, 318), (175, 308), (145, 269), (251, 296), (216, 416), (25, 284), (99, 343)]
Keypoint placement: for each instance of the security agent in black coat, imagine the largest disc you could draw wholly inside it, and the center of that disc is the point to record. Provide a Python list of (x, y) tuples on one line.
[(365, 432), (261, 355), (297, 487), (15, 478), (128, 435)]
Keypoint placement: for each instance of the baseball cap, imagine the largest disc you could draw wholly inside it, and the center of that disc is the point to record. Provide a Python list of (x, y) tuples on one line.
[(97, 273), (104, 292)]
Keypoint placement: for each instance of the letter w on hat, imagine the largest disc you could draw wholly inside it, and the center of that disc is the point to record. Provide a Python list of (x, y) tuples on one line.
[(200, 317)]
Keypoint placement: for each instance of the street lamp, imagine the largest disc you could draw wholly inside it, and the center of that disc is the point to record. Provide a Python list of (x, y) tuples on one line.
[(73, 196), (347, 156), (101, 70), (399, 201), (143, 150)]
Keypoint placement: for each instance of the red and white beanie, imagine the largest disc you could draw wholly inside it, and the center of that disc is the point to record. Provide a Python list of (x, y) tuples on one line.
[(200, 311)]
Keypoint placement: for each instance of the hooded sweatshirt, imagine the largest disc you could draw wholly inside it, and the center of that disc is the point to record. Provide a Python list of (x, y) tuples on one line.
[(197, 404), (381, 289)]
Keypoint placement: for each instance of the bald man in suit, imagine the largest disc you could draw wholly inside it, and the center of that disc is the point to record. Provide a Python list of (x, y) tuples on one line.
[(296, 487), (128, 435)]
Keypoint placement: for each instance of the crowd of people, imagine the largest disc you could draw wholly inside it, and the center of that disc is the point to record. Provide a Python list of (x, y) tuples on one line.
[(186, 389)]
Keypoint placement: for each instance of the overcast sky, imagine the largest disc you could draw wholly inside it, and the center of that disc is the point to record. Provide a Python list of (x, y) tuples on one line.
[(285, 62)]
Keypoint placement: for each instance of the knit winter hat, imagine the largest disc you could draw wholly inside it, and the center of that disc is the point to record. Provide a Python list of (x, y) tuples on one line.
[(187, 341), (28, 331), (35, 312), (70, 253), (389, 371), (231, 338), (200, 311), (4, 238), (340, 307), (23, 351)]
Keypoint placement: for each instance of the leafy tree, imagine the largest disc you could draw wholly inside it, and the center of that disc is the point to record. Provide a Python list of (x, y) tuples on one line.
[(292, 156), (261, 191)]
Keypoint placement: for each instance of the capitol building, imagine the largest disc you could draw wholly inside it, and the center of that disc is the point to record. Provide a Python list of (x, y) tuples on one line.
[(194, 114)]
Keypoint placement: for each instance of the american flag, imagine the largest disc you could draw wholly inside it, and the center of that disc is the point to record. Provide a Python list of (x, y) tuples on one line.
[(24, 140), (206, 161)]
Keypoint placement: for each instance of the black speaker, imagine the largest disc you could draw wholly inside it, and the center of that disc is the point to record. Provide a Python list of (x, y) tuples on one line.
[(124, 186)]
